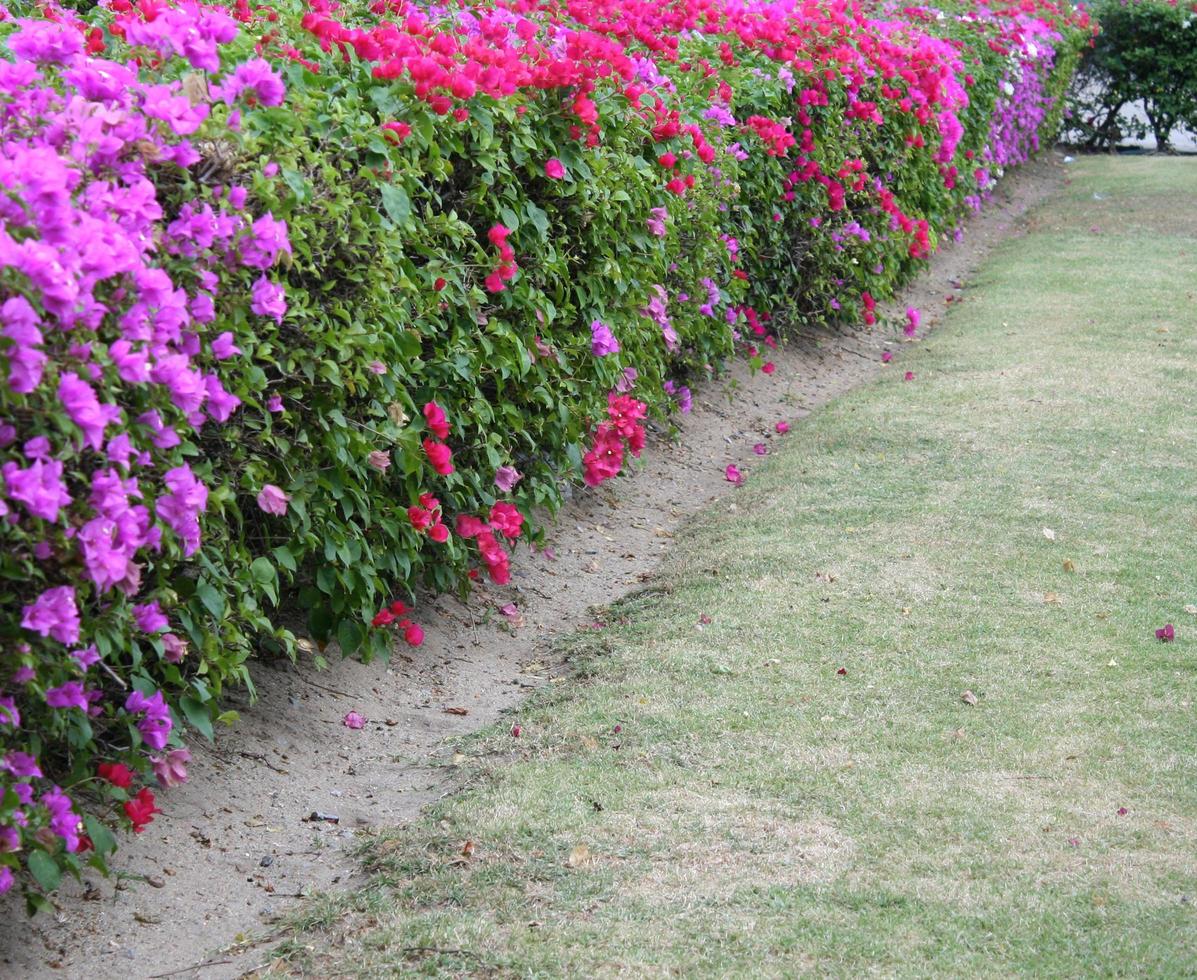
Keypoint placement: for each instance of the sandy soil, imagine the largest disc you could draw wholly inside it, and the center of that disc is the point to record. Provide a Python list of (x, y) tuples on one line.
[(238, 846)]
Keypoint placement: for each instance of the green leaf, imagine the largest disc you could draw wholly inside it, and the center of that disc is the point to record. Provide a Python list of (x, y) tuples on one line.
[(197, 714), (396, 203), (212, 599), (103, 838), (45, 870), (350, 634)]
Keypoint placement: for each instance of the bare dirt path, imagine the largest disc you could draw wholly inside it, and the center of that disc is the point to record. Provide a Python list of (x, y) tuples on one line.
[(238, 846)]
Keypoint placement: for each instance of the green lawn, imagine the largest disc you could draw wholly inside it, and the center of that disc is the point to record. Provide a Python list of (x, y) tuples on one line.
[(762, 814)]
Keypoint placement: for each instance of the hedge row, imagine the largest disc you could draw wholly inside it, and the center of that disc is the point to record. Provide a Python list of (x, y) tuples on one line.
[(318, 300)]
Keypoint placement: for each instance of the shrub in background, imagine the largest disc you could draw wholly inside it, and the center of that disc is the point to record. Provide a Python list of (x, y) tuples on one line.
[(319, 300), (1146, 53)]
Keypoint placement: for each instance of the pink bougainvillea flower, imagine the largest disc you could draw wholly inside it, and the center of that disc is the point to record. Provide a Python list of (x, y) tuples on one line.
[(909, 376), (510, 611), (760, 449), (272, 500), (380, 460), (54, 614), (413, 635), (439, 456), (438, 422), (506, 477), (554, 169), (782, 428), (353, 720), (1166, 633), (171, 769), (516, 731), (886, 357), (843, 672), (274, 404), (506, 519), (377, 367), (1123, 811), (602, 340), (768, 367), (733, 475), (912, 321)]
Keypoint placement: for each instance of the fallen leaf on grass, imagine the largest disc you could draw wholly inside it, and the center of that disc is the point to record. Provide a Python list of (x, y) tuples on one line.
[(458, 758), (1049, 534), (1068, 565), (968, 698), (579, 856), (1051, 598), (1191, 610), (457, 711), (467, 849)]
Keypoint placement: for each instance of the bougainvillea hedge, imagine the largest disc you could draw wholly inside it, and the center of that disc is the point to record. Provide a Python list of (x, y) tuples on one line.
[(318, 301)]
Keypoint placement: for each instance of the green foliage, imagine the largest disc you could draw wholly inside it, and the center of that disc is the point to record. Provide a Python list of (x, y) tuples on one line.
[(1146, 52)]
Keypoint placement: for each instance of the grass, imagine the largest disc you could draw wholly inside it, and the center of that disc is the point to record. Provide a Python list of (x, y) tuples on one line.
[(760, 813)]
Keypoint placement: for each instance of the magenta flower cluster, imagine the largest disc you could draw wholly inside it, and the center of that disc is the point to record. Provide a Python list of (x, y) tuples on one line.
[(112, 298)]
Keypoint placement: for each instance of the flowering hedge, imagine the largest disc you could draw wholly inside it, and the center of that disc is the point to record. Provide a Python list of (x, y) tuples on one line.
[(318, 301)]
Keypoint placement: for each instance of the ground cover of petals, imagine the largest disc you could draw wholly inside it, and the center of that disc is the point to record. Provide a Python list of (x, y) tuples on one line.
[(915, 700)]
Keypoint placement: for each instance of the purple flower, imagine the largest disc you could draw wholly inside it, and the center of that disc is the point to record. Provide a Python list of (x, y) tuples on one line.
[(46, 41), (257, 75), (55, 614), (506, 477), (602, 340), (272, 500), (171, 769), (656, 223), (173, 649), (274, 403), (6, 879), (223, 347), (64, 821), (86, 656), (39, 488), (627, 380), (20, 764), (156, 725), (267, 238), (180, 509), (68, 695), (9, 715), (85, 410), (680, 392), (150, 618), (268, 299)]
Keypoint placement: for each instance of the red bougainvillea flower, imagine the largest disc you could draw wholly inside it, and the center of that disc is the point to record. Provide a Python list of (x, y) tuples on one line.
[(116, 773), (438, 422), (782, 428), (768, 367), (140, 810), (554, 169), (1166, 633), (272, 500), (909, 376), (516, 731), (733, 475), (383, 618), (440, 456), (886, 357), (413, 635), (353, 720), (439, 284)]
